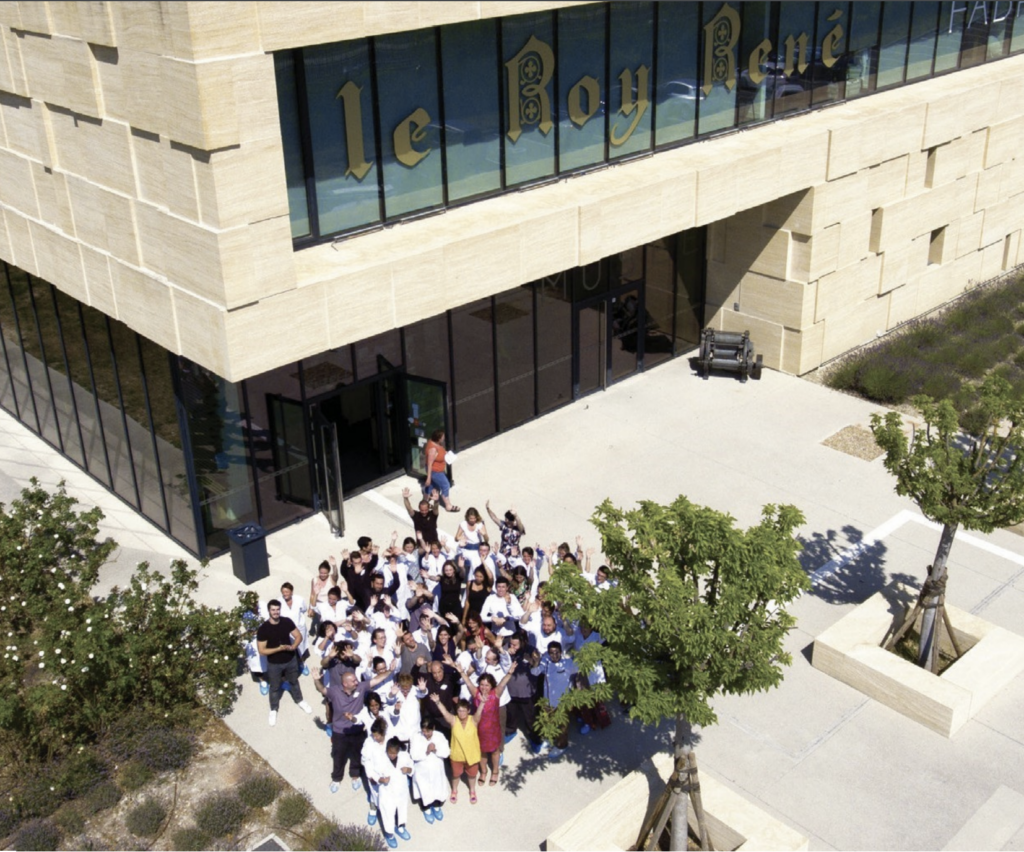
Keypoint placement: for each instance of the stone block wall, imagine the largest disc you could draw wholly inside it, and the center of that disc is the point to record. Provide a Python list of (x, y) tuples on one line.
[(141, 172), (920, 201)]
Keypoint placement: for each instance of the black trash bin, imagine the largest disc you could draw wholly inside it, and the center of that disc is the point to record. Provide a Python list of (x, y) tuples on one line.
[(249, 553)]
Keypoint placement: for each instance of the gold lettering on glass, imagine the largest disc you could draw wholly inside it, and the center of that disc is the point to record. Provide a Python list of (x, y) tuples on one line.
[(357, 164), (409, 130), (756, 62), (720, 36), (631, 106), (528, 74), (590, 87), (791, 49)]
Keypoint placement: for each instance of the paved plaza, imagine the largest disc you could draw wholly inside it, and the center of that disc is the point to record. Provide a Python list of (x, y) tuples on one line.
[(838, 767)]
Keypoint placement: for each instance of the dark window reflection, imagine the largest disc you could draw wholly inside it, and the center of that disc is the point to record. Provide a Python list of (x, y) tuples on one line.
[(59, 386), (38, 380), (86, 403), (554, 342), (472, 339), (387, 346), (329, 370), (513, 319), (216, 426), (831, 58), (794, 60), (173, 471), (426, 349), (277, 432), (659, 295), (21, 394), (862, 64), (754, 97), (119, 453), (690, 265)]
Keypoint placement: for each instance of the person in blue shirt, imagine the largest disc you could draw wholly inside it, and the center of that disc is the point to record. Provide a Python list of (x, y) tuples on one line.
[(560, 675)]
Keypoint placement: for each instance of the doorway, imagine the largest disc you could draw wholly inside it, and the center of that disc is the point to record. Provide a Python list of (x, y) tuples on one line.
[(367, 433), (608, 336)]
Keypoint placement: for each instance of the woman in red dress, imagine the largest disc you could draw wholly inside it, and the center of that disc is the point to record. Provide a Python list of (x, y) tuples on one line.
[(486, 698)]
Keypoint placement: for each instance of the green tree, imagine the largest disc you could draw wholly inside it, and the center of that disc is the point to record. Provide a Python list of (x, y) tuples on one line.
[(696, 609), (73, 663), (957, 480)]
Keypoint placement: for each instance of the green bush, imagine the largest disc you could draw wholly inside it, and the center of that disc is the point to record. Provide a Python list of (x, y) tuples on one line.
[(258, 791), (883, 383), (145, 819), (8, 819), (221, 814), (39, 834), (69, 820), (38, 794), (191, 839), (330, 837), (135, 775), (292, 809), (148, 644), (103, 796)]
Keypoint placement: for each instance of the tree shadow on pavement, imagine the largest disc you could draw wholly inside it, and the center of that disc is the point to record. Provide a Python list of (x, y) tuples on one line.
[(617, 750), (845, 567)]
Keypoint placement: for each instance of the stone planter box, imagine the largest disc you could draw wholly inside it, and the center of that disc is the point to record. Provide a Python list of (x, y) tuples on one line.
[(612, 820), (849, 650)]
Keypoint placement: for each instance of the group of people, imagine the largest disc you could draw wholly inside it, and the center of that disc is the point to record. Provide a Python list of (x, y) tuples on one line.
[(430, 655)]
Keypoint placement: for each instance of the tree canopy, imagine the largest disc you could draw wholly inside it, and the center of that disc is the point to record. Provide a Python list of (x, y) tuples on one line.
[(696, 607)]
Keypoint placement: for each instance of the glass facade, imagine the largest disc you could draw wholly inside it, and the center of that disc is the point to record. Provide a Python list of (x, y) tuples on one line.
[(198, 455), (379, 129)]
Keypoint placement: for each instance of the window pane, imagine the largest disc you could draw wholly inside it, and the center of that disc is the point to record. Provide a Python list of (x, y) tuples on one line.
[(923, 31), (133, 392), (975, 42), (529, 89), (288, 109), (387, 345), (581, 81), (278, 435), (659, 306), (341, 129), (828, 68), (426, 349), (469, 63), (792, 82), (678, 89), (631, 57), (328, 371), (410, 121), (1017, 39), (999, 28), (690, 267), (892, 54), (215, 422), (62, 392), (79, 359), (718, 109), (119, 452), (951, 30), (554, 342), (861, 68), (474, 372), (173, 472), (513, 319), (6, 385), (754, 92), (22, 394), (39, 378)]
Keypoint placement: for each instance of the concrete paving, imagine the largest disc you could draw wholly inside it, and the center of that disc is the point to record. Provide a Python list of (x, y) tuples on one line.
[(842, 769)]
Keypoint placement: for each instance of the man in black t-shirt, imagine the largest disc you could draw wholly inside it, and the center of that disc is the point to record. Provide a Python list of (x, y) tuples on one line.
[(424, 521), (277, 638)]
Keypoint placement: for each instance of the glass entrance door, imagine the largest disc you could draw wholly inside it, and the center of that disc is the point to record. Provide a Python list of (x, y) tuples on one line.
[(608, 338), (426, 403), (330, 498)]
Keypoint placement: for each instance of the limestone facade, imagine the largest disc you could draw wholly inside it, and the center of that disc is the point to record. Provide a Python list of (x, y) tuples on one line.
[(142, 173)]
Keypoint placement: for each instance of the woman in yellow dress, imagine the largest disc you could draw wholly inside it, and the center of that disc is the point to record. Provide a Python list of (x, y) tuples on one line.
[(465, 745)]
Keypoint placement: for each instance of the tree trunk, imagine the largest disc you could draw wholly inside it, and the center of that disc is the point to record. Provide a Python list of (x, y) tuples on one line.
[(936, 583), (683, 750)]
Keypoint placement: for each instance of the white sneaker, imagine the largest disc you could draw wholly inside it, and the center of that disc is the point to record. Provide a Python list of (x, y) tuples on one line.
[(273, 718), (304, 707)]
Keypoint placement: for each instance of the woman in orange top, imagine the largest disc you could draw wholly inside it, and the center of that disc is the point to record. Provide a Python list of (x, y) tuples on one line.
[(437, 476)]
